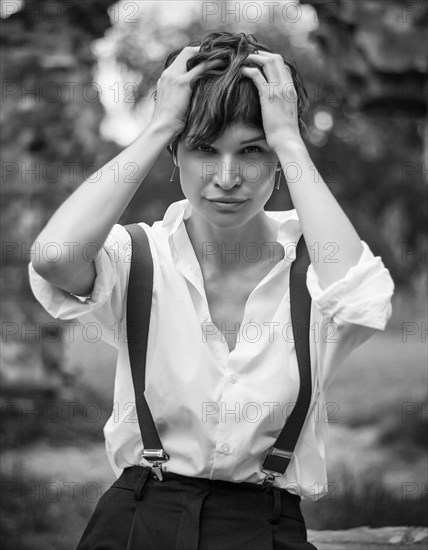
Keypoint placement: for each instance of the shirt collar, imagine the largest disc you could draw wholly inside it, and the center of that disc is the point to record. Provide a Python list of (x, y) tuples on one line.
[(289, 229), (184, 255)]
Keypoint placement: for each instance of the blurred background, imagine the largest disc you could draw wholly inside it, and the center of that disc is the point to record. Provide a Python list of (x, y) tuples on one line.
[(76, 76)]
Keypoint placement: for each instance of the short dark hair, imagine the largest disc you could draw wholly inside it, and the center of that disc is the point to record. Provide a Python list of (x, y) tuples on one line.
[(223, 96)]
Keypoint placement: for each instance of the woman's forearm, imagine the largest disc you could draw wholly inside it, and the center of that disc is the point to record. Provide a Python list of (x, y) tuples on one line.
[(88, 215), (334, 245)]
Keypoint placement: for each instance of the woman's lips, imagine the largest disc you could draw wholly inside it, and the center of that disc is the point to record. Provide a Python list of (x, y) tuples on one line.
[(226, 205)]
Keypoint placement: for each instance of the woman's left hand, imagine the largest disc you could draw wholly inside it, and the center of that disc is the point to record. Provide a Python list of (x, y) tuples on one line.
[(278, 98)]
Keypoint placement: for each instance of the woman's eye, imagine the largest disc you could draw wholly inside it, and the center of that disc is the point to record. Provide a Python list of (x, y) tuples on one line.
[(207, 149), (259, 149), (202, 146)]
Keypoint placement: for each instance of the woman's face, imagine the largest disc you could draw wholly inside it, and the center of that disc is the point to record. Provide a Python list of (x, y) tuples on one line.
[(239, 167)]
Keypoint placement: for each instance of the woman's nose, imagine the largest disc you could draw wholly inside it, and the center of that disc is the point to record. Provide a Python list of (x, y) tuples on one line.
[(229, 174)]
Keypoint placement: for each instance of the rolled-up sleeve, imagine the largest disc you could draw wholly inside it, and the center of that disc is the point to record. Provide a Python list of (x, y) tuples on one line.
[(350, 310), (362, 296), (103, 310)]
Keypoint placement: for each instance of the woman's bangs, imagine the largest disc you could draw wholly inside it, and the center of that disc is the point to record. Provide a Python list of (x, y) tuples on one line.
[(212, 110)]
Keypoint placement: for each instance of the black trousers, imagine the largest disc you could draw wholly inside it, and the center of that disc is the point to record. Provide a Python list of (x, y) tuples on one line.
[(139, 512)]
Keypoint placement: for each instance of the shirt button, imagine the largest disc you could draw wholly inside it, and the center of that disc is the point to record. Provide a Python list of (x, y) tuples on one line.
[(233, 378), (226, 448)]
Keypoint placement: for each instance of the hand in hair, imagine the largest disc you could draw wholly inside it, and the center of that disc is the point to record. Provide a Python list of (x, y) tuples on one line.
[(174, 90), (278, 97)]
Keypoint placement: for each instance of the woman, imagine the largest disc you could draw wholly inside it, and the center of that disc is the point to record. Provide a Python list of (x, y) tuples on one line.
[(221, 372)]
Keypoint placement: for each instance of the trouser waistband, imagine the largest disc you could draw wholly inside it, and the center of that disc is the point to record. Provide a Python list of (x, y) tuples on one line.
[(137, 477)]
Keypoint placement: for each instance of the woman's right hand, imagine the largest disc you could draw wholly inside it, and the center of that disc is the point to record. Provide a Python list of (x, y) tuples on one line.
[(174, 91)]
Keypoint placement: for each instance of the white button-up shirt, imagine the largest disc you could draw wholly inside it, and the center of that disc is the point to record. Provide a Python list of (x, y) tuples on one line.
[(218, 412)]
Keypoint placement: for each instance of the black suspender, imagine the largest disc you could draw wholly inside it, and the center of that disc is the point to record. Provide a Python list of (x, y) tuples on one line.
[(280, 454), (138, 309)]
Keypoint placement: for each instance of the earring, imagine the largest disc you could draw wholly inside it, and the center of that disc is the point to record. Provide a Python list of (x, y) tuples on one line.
[(173, 172), (278, 183)]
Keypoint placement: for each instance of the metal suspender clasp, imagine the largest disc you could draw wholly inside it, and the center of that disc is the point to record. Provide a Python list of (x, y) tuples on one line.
[(269, 479), (154, 459), (275, 458)]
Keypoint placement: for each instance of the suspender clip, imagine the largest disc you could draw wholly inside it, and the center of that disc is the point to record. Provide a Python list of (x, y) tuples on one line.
[(154, 459), (274, 465), (157, 470), (270, 476)]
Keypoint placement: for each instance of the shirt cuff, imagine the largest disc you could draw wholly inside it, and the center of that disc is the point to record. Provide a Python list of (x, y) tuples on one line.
[(362, 296), (62, 304)]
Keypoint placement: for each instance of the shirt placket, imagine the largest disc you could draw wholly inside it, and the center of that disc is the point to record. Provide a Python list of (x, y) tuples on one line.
[(230, 406)]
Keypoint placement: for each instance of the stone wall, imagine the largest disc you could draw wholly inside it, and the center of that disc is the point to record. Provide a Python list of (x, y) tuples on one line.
[(365, 538)]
